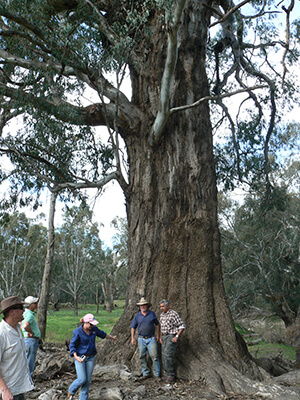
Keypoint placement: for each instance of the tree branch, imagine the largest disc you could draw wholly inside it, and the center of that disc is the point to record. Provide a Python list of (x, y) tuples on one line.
[(213, 98), (128, 118), (287, 37), (88, 184), (163, 113), (225, 16), (103, 25), (7, 116)]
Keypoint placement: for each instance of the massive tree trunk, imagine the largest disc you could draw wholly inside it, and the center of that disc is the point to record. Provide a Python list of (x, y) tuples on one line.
[(171, 200), (174, 241)]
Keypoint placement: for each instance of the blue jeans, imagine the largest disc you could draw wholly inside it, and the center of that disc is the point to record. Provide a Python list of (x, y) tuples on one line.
[(150, 345), (168, 350), (84, 372), (32, 346)]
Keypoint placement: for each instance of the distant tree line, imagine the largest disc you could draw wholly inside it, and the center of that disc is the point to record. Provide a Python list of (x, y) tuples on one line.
[(84, 271), (260, 252), (260, 249)]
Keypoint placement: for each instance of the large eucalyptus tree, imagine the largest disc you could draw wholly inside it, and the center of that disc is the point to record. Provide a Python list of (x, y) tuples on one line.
[(52, 52)]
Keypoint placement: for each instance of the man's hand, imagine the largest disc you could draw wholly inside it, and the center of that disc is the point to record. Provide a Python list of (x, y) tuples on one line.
[(133, 341), (6, 394), (28, 329)]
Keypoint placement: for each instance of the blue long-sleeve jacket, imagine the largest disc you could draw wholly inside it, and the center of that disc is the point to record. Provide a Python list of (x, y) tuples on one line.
[(82, 343)]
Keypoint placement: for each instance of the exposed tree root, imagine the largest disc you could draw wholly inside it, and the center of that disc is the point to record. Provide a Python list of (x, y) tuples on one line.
[(216, 374)]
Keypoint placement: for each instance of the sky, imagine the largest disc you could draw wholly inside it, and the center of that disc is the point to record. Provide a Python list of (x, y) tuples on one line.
[(109, 205)]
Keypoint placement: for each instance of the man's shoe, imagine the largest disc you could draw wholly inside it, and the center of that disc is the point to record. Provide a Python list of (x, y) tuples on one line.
[(144, 377), (157, 378), (70, 396), (170, 379)]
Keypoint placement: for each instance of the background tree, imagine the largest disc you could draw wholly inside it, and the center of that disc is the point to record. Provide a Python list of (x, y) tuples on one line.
[(261, 255), (170, 190), (120, 247), (56, 159), (97, 255), (34, 255), (109, 267), (107, 280), (22, 249), (78, 236)]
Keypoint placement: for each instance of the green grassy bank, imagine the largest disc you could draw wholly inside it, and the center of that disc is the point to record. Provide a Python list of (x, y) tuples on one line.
[(60, 324), (266, 349)]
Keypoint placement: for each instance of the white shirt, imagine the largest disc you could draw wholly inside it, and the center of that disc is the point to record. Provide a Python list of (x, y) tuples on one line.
[(13, 361)]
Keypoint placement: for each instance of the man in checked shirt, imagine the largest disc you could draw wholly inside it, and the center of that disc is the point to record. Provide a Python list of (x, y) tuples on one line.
[(171, 326)]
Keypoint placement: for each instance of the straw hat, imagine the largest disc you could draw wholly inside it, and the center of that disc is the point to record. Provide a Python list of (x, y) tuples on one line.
[(143, 302)]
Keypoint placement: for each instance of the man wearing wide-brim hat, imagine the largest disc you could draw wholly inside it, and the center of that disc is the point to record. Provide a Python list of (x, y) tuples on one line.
[(148, 335), (15, 380)]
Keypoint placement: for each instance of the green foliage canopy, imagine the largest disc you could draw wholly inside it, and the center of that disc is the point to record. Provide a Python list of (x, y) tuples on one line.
[(260, 250)]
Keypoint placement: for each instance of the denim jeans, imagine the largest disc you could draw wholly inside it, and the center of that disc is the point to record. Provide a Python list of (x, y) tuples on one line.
[(32, 346), (19, 397), (168, 349), (84, 372), (150, 345)]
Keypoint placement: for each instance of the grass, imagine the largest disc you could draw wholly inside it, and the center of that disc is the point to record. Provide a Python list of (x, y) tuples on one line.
[(264, 349), (60, 324)]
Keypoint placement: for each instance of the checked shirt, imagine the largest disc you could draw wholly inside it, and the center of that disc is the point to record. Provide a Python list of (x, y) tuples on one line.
[(170, 323)]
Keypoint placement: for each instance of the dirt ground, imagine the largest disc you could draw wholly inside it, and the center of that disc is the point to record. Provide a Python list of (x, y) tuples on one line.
[(101, 389), (55, 371)]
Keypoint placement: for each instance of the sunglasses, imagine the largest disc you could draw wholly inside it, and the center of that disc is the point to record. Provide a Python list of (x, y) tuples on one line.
[(17, 308)]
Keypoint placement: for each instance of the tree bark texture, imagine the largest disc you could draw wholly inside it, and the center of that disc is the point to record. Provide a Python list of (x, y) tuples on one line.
[(107, 290), (45, 290), (174, 241)]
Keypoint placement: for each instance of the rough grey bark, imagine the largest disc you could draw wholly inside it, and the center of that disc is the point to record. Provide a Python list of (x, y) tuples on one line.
[(174, 241), (45, 289), (107, 290)]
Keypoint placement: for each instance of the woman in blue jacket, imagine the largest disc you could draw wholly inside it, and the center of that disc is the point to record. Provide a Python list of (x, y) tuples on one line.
[(83, 349)]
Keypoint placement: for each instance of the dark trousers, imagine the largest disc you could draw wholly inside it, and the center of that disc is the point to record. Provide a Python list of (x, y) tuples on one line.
[(19, 397), (168, 349)]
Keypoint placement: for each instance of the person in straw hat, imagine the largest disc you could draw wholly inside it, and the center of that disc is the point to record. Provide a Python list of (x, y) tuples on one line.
[(148, 328), (15, 379)]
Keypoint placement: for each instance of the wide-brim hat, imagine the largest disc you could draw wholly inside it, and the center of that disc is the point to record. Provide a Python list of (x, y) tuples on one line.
[(143, 302), (10, 302)]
